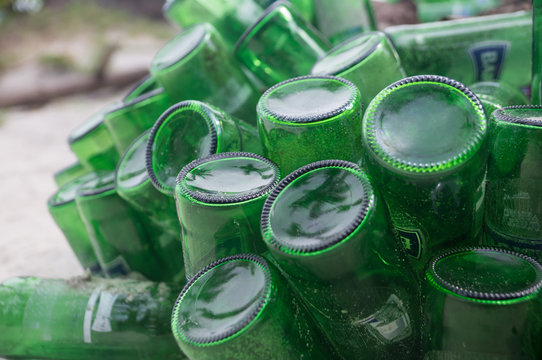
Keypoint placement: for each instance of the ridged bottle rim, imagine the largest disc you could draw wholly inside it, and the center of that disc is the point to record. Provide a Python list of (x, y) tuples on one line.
[(185, 191), (356, 60), (367, 203), (193, 105), (473, 145), (354, 98), (433, 276), (243, 323), (262, 17), (501, 115)]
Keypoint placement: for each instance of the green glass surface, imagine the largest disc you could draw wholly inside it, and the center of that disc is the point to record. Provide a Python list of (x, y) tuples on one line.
[(191, 130), (69, 173), (196, 65), (485, 48), (144, 86), (330, 234), (118, 235), (434, 10), (219, 202), (514, 172), (158, 212), (495, 95), (536, 85), (369, 61), (129, 119), (92, 144), (64, 211), (280, 45), (310, 118), (87, 318), (340, 20), (241, 308), (482, 303), (426, 149), (304, 7), (230, 17)]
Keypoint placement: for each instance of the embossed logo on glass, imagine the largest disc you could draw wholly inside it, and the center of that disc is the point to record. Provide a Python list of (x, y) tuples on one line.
[(488, 59), (412, 241)]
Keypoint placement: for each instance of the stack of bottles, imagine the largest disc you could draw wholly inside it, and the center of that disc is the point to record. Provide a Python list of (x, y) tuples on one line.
[(290, 183)]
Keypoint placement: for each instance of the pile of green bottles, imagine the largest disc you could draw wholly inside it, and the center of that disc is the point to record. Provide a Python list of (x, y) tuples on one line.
[(262, 194)]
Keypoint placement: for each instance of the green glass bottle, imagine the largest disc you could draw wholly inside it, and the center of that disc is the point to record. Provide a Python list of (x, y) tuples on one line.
[(129, 119), (425, 145), (536, 84), (64, 211), (339, 21), (369, 61), (158, 212), (310, 118), (196, 65), (280, 45), (219, 201), (240, 307), (482, 303), (93, 145), (496, 95), (191, 130), (513, 192), (87, 318), (230, 17), (144, 86), (304, 7), (435, 10), (118, 236), (330, 235), (485, 48), (69, 173)]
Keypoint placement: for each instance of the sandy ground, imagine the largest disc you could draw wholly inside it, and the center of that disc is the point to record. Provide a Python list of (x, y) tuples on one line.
[(33, 145), (33, 142)]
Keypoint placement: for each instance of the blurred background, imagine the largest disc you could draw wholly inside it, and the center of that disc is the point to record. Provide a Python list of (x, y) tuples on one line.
[(60, 61)]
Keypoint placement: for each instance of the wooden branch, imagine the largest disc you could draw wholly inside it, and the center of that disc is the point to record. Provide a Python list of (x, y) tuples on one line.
[(68, 86)]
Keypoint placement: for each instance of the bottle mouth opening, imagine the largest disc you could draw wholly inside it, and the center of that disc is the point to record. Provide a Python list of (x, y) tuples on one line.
[(346, 104), (104, 182), (328, 241), (217, 199), (432, 274), (93, 123), (145, 96), (192, 37), (457, 157), (241, 324), (505, 115), (67, 192), (197, 107), (377, 40), (143, 86), (265, 14), (54, 202), (138, 145), (67, 168)]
